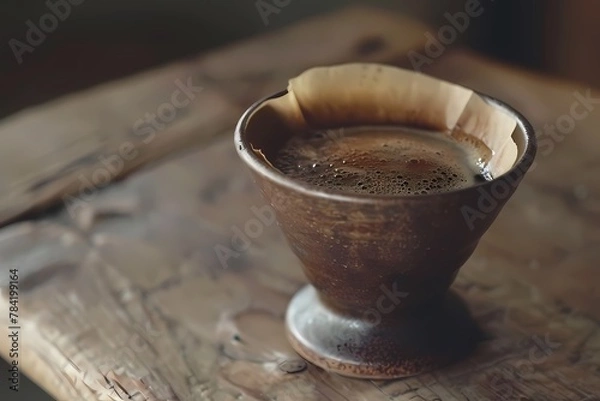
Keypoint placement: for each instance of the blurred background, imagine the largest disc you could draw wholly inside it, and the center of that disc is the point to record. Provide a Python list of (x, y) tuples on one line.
[(102, 40)]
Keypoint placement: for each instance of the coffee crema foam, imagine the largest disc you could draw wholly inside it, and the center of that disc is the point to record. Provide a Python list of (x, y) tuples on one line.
[(381, 160)]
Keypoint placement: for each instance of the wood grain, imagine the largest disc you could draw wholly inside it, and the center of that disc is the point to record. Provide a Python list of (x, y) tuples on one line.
[(129, 300), (135, 121), (559, 232)]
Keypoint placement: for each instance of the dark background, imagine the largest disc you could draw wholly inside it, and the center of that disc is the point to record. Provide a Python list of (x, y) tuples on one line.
[(105, 39)]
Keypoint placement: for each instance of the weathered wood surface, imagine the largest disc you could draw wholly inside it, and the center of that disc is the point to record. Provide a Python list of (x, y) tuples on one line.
[(557, 231), (127, 298), (137, 120)]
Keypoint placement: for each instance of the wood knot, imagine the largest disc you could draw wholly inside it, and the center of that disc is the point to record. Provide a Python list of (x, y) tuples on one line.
[(292, 366)]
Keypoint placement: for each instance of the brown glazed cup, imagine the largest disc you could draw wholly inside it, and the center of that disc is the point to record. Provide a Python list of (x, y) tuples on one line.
[(379, 266)]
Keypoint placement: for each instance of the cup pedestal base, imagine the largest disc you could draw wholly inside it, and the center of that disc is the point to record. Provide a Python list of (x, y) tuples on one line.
[(382, 345)]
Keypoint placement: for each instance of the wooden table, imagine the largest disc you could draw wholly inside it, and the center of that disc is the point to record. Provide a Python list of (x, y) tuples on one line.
[(122, 296)]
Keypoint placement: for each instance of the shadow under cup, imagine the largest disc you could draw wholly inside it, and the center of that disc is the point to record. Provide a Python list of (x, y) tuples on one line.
[(379, 266)]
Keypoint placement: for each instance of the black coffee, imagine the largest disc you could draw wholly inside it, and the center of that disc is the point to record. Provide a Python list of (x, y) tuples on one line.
[(381, 160)]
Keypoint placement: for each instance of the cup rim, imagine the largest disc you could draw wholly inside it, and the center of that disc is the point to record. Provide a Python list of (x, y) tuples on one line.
[(245, 152)]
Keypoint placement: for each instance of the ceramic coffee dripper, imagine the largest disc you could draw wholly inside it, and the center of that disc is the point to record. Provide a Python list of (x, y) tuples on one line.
[(379, 267)]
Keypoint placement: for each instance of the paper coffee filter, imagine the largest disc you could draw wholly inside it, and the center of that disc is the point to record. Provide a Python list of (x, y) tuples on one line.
[(492, 127), (375, 94)]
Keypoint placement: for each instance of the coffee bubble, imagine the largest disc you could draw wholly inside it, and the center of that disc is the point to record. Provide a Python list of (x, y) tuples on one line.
[(381, 161)]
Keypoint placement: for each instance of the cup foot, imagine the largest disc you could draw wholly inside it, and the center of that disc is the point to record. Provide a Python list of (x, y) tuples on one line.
[(380, 345)]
